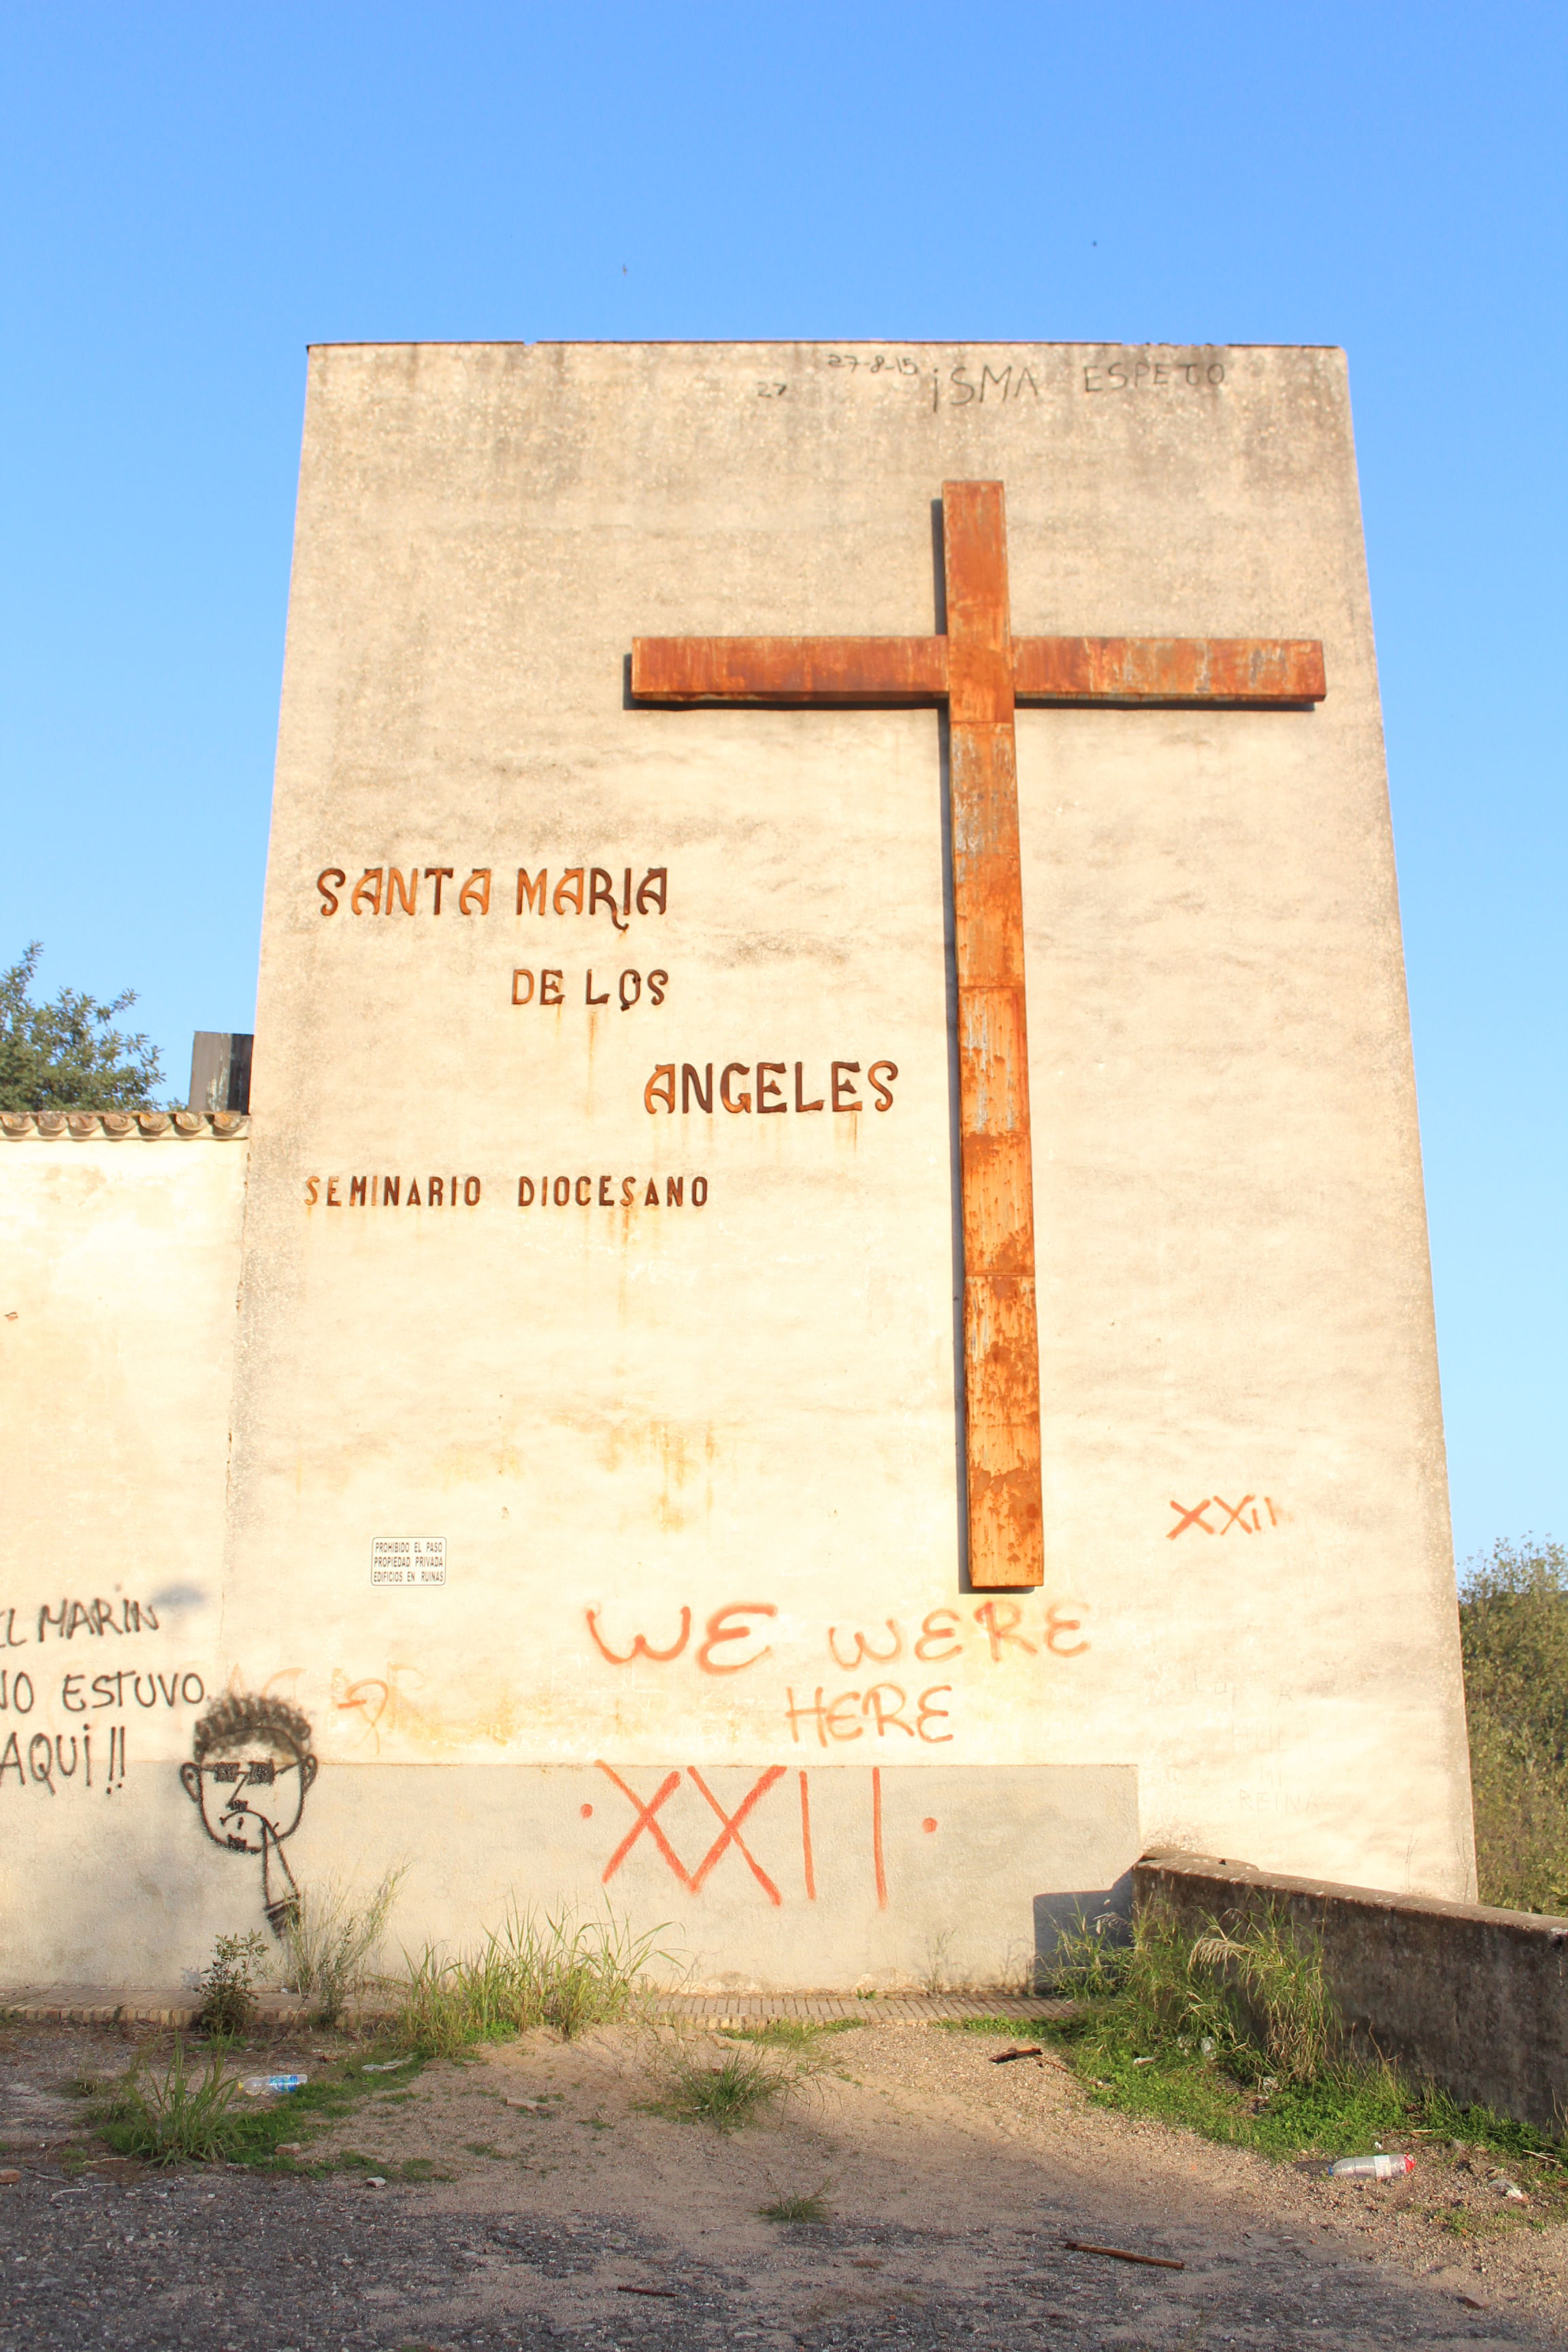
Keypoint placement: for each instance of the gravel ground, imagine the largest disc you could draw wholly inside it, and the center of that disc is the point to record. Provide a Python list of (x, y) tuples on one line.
[(951, 2185)]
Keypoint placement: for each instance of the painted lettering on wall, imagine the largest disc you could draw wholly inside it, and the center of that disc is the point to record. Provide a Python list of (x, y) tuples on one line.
[(768, 1832), (731, 1639), (1215, 1517), (989, 380), (393, 1192), (63, 1622), (1011, 1630), (42, 1764), (596, 1191), (612, 1192), (883, 1708), (754, 1089), (1135, 371), (395, 889), (548, 987)]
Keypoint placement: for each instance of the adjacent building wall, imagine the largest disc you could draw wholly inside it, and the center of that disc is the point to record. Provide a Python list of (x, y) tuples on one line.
[(120, 1245)]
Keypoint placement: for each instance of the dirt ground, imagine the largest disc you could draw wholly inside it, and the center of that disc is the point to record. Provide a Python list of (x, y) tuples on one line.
[(951, 2185)]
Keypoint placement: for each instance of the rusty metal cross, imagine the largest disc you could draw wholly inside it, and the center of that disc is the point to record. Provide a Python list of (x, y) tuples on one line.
[(981, 671)]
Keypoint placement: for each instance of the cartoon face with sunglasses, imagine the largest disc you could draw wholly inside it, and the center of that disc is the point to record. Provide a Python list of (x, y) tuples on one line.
[(252, 1767)]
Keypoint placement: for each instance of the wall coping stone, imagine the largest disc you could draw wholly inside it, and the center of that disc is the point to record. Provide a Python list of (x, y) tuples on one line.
[(146, 1126), (1175, 1861)]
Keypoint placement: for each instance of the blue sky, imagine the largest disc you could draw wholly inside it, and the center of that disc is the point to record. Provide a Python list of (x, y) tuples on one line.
[(193, 194)]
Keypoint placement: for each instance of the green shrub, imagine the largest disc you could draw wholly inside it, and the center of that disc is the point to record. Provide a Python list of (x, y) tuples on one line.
[(1256, 1999), (228, 1986), (1233, 2033), (1513, 1628)]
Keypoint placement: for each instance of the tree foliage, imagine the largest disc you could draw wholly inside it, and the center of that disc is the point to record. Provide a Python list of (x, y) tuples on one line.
[(68, 1054), (1514, 1625)]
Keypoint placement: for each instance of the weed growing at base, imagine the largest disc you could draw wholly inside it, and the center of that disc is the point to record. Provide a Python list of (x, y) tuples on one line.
[(184, 2117), (792, 2032), (558, 1971), (331, 1941)]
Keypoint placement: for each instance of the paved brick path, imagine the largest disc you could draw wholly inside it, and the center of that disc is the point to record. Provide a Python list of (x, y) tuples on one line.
[(92, 2005)]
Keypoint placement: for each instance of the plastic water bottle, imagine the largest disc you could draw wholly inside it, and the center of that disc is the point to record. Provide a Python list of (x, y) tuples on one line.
[(256, 2087), (1373, 2168)]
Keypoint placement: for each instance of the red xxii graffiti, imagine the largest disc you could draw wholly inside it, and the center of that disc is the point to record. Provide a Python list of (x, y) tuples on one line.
[(729, 1835)]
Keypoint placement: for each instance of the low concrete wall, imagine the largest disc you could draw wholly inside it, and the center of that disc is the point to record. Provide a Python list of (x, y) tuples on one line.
[(1472, 1999)]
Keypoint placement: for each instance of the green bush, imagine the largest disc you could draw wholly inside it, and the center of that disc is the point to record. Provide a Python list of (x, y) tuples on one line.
[(1255, 2000), (68, 1054), (228, 1985), (1233, 2034), (1513, 1628), (735, 2091)]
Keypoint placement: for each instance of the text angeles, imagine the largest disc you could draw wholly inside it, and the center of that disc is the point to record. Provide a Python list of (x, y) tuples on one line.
[(739, 1092)]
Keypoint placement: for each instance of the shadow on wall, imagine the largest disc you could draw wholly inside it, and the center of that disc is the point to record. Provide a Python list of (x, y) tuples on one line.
[(1107, 1909)]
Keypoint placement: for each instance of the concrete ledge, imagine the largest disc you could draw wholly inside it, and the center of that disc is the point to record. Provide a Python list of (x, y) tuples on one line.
[(285, 2013), (277, 2013), (1471, 1999)]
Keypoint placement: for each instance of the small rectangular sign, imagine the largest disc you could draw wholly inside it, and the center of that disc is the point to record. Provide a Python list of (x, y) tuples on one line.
[(408, 1559)]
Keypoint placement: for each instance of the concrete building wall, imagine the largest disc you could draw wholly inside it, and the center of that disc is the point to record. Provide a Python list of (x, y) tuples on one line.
[(695, 1468)]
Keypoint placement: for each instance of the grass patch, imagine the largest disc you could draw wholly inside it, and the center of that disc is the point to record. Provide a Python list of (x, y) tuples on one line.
[(791, 2032), (185, 2114), (1015, 2028), (809, 2206), (535, 1969), (1235, 2037), (416, 2168), (742, 2086)]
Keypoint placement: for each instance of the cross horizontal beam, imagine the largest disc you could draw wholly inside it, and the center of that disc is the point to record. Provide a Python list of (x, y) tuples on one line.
[(1245, 673)]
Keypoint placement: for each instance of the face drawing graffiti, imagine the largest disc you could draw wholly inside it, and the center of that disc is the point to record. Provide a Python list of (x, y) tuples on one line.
[(252, 1767)]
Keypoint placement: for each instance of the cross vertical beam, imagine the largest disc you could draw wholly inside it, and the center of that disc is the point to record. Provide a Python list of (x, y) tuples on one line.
[(1001, 1344)]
